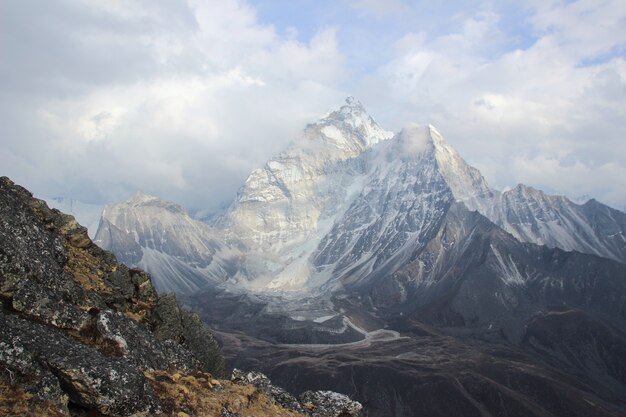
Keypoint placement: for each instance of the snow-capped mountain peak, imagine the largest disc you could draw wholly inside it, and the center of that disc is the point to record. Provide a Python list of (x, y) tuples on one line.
[(466, 182), (350, 129), (140, 198), (346, 204), (414, 140), (281, 203), (159, 236)]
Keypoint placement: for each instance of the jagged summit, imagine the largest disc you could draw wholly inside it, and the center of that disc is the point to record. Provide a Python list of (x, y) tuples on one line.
[(346, 202), (350, 129), (140, 198), (285, 200), (352, 101)]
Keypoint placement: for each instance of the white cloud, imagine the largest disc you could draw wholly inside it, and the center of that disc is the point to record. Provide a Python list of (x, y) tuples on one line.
[(195, 107), (183, 99), (561, 99)]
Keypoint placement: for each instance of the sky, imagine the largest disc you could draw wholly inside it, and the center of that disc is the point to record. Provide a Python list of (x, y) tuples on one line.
[(182, 99)]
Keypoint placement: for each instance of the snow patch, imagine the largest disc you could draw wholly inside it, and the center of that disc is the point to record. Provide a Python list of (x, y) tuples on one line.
[(323, 319), (509, 274)]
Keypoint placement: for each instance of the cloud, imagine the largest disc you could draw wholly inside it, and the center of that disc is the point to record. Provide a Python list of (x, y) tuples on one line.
[(183, 98), (559, 98), (176, 99), (415, 139)]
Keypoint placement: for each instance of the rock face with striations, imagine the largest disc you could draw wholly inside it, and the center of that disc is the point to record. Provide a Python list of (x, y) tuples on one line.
[(77, 329), (161, 238)]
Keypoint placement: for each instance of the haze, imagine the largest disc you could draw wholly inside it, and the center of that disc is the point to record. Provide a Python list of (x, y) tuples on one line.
[(183, 99)]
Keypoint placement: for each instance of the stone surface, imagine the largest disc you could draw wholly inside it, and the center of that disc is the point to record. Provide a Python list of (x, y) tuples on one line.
[(57, 366), (329, 404), (75, 324), (170, 322), (312, 403)]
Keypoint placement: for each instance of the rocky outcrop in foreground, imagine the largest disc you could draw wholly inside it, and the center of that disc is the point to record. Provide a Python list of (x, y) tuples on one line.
[(313, 403), (81, 334)]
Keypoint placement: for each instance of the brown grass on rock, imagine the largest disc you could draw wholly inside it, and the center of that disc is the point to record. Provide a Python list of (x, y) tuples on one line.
[(199, 394), (16, 402)]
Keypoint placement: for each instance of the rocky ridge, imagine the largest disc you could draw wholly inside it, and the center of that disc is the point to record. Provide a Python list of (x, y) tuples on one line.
[(81, 334)]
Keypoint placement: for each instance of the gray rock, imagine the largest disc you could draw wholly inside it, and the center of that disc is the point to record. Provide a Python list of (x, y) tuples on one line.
[(313, 403), (330, 404), (121, 337), (171, 323), (113, 386), (199, 340), (263, 383), (75, 324), (166, 319), (226, 413), (257, 379)]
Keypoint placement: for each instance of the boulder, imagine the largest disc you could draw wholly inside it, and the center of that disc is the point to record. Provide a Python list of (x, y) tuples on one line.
[(312, 403)]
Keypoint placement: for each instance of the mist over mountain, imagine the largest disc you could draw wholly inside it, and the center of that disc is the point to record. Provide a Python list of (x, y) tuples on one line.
[(346, 197), (355, 242)]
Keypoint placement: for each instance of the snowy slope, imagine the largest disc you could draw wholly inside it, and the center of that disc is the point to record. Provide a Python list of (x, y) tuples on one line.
[(532, 215), (286, 208), (396, 212), (181, 253), (306, 183)]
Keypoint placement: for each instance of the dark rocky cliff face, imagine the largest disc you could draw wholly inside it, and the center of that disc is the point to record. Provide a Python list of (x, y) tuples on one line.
[(78, 331)]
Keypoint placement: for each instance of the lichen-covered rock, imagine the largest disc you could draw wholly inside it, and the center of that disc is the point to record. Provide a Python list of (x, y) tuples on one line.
[(199, 340), (129, 339), (170, 322), (258, 379), (329, 404), (263, 383), (57, 366), (167, 319), (313, 403), (76, 326)]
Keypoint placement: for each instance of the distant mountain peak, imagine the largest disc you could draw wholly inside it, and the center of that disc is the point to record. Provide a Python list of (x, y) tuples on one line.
[(527, 192), (351, 107), (350, 128), (416, 139), (348, 199), (140, 198)]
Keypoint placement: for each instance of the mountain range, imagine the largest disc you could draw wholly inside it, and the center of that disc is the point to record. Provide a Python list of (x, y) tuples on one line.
[(388, 254)]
